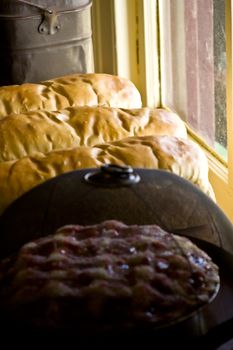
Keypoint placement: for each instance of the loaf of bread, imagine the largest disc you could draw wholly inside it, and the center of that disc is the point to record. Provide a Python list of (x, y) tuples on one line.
[(43, 131), (106, 277), (177, 155), (73, 90)]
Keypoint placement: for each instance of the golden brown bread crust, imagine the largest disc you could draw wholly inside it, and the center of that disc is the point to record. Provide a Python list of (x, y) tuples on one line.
[(39, 131), (72, 90), (43, 131), (177, 155)]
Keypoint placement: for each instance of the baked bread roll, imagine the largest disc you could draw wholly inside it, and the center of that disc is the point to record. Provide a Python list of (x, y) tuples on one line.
[(43, 131), (72, 90), (177, 155), (106, 277)]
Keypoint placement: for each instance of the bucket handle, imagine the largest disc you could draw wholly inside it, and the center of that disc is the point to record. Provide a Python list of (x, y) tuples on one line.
[(50, 23)]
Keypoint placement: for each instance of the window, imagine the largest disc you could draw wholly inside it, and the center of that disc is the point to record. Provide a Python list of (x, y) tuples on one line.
[(179, 54), (196, 80), (193, 62)]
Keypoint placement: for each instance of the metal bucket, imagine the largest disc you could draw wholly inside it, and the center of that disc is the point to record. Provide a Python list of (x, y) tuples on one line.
[(40, 39)]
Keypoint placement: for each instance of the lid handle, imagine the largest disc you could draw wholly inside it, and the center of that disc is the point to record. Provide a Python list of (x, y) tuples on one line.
[(112, 175)]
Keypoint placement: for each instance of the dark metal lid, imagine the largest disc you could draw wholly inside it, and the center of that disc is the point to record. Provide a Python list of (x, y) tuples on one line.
[(158, 198)]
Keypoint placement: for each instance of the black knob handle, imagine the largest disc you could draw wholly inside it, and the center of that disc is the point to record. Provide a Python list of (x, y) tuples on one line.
[(112, 175)]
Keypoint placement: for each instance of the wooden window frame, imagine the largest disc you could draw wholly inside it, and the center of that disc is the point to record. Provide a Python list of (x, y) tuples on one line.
[(124, 44), (122, 41)]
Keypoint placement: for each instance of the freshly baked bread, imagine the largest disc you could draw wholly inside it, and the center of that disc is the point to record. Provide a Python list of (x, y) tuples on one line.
[(40, 131), (43, 131), (177, 155), (72, 90), (106, 277)]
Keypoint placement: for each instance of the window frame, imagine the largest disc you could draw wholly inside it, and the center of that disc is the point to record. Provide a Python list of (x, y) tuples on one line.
[(123, 47), (131, 49)]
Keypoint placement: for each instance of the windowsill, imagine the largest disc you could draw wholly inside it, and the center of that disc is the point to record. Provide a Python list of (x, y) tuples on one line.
[(218, 177)]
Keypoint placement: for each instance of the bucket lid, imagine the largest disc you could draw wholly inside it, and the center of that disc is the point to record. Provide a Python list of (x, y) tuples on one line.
[(21, 8)]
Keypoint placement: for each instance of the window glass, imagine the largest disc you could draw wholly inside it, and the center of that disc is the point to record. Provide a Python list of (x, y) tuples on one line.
[(193, 66)]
